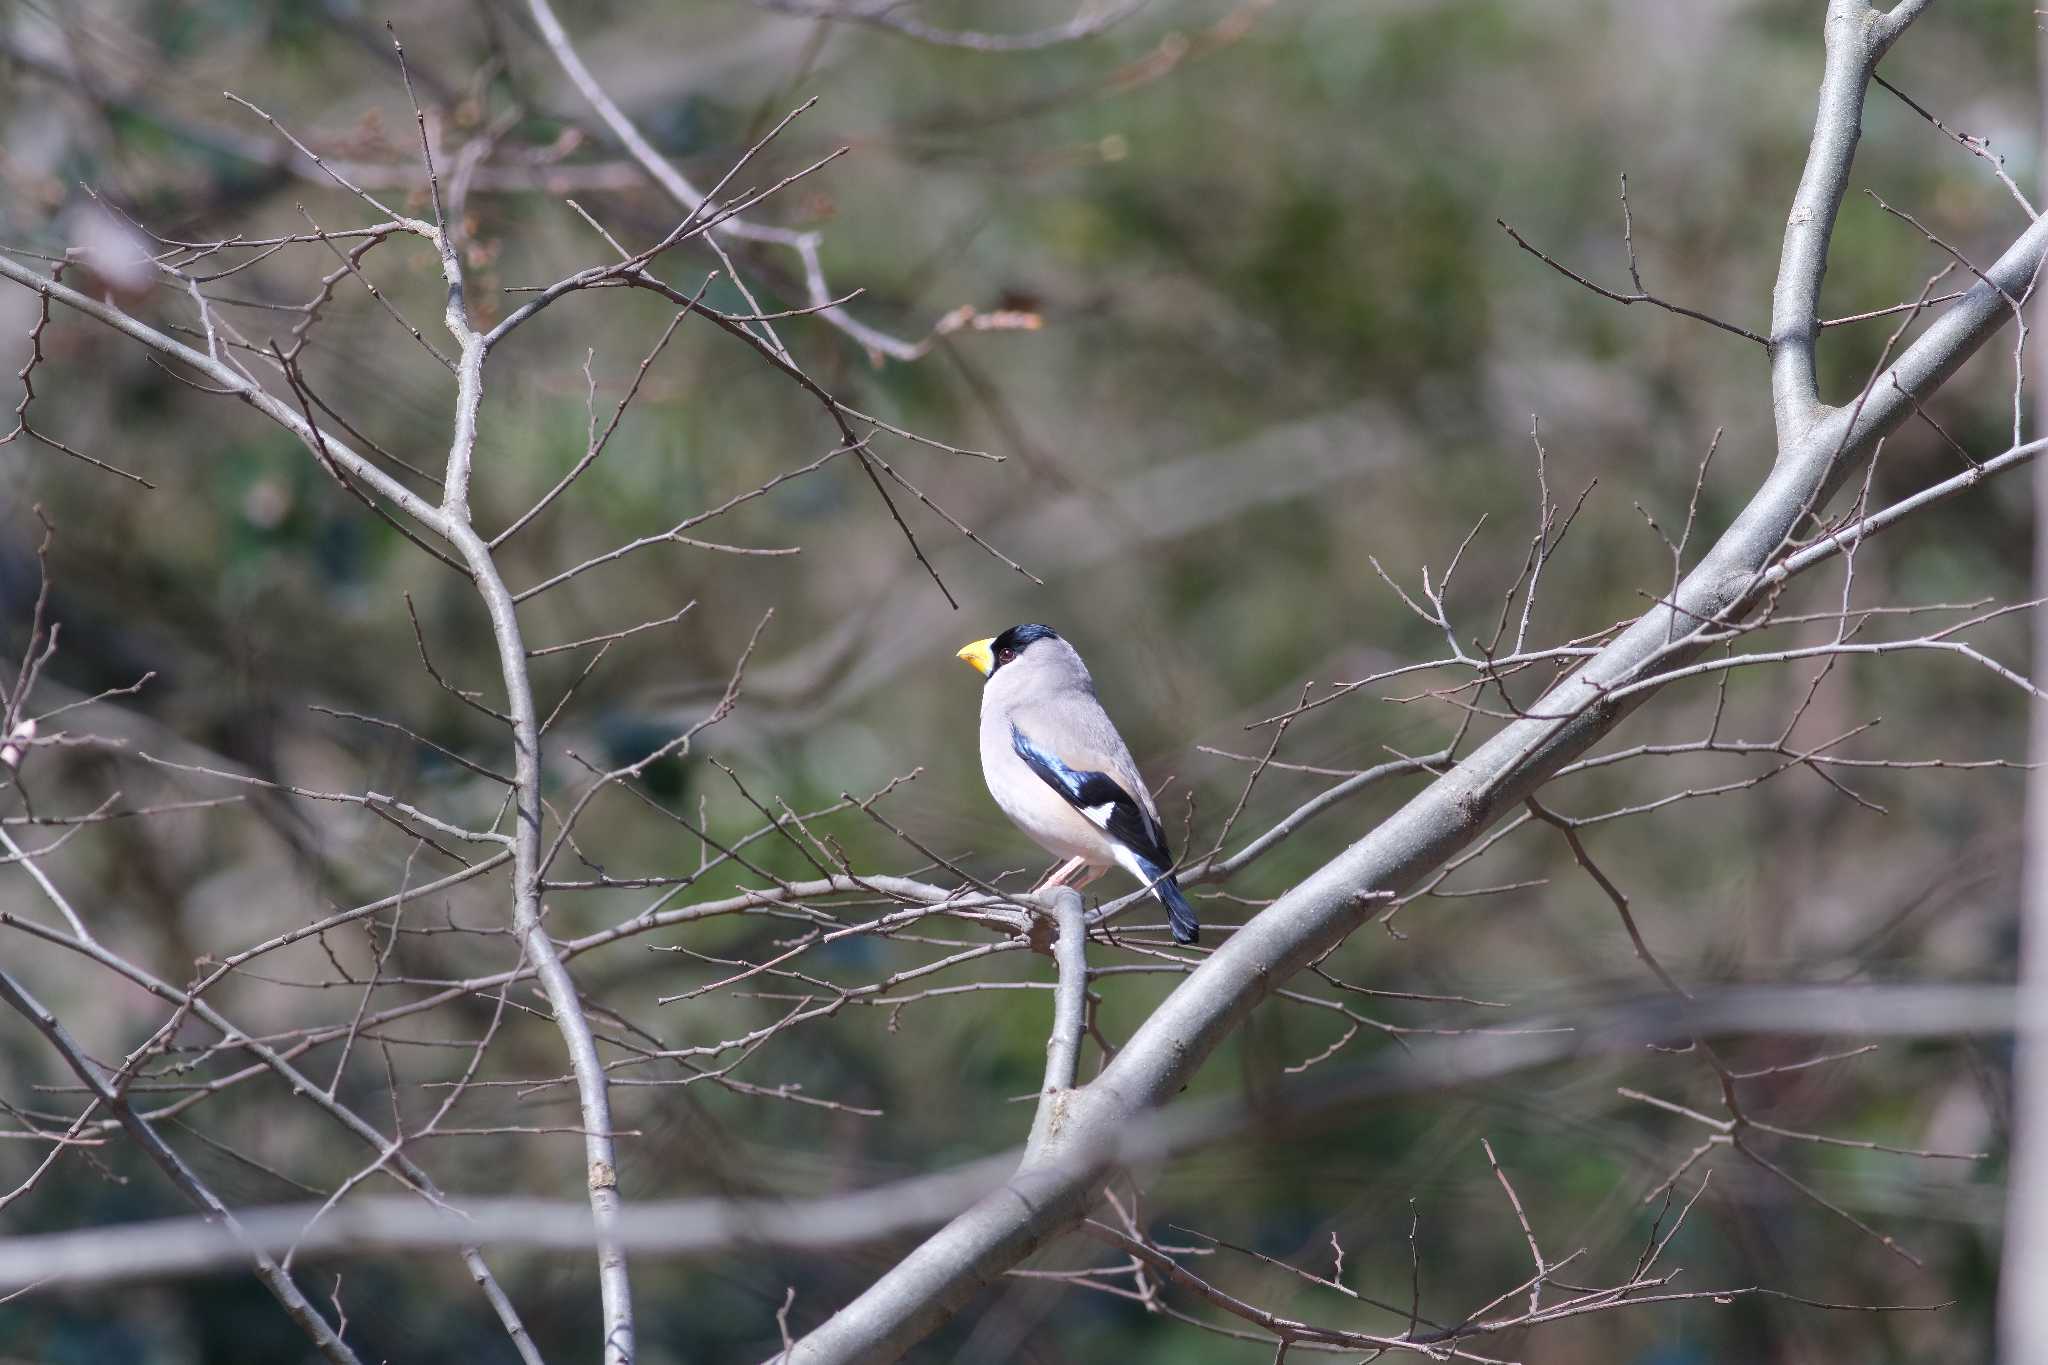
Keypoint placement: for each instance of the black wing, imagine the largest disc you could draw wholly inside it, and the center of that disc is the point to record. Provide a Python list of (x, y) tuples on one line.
[(1102, 799)]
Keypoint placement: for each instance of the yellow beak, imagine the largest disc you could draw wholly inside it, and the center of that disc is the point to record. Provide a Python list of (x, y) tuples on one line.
[(979, 656)]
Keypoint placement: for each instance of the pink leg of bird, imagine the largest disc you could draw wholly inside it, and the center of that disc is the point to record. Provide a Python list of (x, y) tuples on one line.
[(1059, 876)]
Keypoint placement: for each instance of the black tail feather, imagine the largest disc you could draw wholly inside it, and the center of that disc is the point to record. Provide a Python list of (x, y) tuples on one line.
[(1180, 916)]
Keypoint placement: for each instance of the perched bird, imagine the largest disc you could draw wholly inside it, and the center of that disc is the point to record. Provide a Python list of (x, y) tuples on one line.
[(1058, 768)]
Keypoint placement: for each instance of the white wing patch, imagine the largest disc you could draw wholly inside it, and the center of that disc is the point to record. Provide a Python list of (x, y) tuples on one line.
[(1099, 814), (1129, 862)]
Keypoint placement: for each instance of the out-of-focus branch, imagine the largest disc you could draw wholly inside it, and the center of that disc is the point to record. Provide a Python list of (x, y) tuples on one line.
[(175, 1247), (384, 1224), (299, 1084), (888, 15), (692, 200), (275, 1277)]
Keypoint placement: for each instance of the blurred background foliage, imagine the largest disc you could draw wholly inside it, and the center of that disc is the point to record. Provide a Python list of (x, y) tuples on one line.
[(1283, 341)]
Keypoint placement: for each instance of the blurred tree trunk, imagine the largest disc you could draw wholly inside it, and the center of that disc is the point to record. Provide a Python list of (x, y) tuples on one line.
[(2023, 1282)]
